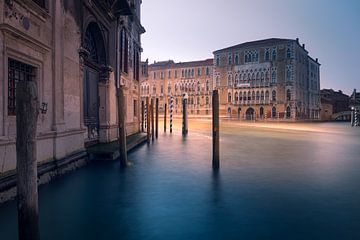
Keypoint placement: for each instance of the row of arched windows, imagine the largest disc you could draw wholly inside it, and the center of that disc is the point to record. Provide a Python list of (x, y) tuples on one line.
[(247, 77), (244, 96)]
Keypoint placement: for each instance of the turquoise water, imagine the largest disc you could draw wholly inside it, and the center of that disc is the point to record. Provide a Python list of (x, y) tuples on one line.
[(276, 181)]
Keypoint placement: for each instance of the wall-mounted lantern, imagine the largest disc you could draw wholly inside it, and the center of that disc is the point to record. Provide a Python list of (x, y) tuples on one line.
[(43, 108)]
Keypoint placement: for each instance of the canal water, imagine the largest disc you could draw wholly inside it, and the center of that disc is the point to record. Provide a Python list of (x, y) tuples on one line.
[(276, 181)]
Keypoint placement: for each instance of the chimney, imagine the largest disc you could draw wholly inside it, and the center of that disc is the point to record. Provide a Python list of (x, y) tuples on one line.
[(297, 40), (317, 60), (303, 46)]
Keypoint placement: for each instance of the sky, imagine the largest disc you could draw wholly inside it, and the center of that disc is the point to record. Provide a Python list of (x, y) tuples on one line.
[(189, 30)]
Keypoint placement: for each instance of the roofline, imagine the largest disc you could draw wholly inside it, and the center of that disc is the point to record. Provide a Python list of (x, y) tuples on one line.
[(254, 42)]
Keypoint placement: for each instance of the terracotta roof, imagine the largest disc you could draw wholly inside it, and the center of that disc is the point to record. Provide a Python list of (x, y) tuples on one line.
[(172, 64), (257, 43)]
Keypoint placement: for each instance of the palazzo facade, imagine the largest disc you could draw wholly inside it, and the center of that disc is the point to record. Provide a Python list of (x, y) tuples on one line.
[(164, 79), (78, 53), (270, 78)]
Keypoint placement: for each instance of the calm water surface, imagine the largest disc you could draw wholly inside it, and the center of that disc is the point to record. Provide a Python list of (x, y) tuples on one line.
[(277, 181)]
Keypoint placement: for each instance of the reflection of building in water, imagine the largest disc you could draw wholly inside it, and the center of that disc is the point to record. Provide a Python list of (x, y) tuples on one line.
[(271, 78), (163, 79)]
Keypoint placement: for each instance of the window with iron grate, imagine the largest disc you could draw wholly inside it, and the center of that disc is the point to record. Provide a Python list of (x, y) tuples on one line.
[(41, 3), (17, 71)]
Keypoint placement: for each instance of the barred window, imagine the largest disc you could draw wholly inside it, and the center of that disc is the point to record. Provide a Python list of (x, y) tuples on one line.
[(41, 3), (17, 71)]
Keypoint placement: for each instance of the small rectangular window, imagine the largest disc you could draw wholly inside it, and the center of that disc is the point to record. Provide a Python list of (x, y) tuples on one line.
[(17, 71), (135, 108)]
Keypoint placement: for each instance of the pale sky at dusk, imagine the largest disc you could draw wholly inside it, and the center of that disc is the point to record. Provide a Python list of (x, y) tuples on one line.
[(187, 30)]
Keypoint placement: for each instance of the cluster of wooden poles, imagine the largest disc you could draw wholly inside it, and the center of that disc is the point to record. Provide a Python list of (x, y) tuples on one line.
[(27, 110)]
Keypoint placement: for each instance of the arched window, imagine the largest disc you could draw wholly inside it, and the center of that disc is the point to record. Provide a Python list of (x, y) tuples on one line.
[(257, 95), (267, 55), (182, 73), (253, 96), (288, 95), (154, 89), (253, 77), (262, 76), (217, 61), (262, 96), (236, 80), (273, 95), (217, 81), (267, 96), (274, 54), (267, 77), (273, 76), (207, 85), (230, 59), (161, 89), (288, 112), (237, 59), (273, 112), (249, 96), (288, 53), (236, 97), (244, 97), (240, 96), (258, 76), (192, 73), (288, 75), (229, 97), (229, 80)]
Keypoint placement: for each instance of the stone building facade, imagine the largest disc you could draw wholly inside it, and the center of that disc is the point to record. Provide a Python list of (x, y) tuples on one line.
[(73, 50), (270, 78), (164, 79)]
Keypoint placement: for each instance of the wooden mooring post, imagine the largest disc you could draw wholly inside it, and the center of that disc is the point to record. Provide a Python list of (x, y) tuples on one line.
[(165, 110), (147, 120), (152, 119), (157, 117), (122, 128), (142, 116), (185, 115), (215, 130), (27, 110)]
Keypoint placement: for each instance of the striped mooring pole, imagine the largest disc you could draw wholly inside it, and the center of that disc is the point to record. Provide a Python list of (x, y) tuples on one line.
[(145, 115), (171, 112)]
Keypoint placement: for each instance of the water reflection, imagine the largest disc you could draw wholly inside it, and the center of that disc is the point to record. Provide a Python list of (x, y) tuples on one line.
[(275, 182)]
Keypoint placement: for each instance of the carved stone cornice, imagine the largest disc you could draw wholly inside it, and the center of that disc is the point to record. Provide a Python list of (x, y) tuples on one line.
[(105, 74)]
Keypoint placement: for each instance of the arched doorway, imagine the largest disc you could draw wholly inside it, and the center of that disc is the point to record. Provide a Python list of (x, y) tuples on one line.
[(239, 113), (250, 114), (261, 112), (288, 112), (273, 112), (94, 59)]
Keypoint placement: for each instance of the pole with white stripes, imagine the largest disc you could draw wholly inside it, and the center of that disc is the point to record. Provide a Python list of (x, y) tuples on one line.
[(171, 112)]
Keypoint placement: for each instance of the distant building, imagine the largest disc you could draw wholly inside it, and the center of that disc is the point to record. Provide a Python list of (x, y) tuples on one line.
[(271, 78), (164, 79), (355, 98), (337, 99)]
